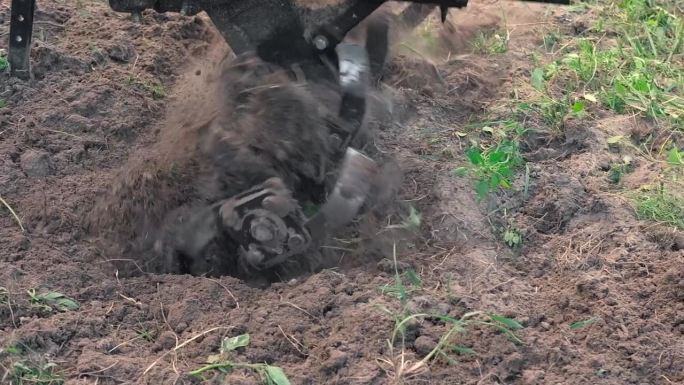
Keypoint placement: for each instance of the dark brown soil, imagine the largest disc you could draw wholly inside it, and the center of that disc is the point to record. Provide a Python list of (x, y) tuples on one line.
[(102, 145)]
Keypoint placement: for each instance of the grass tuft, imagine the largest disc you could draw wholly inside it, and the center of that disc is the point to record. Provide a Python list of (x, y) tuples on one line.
[(25, 372), (661, 206)]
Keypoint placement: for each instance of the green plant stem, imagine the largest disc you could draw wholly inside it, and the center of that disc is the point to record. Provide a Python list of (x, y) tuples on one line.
[(226, 365), (458, 326)]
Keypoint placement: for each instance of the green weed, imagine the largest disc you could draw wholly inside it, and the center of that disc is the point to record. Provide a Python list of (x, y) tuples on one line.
[(145, 333), (512, 237), (618, 171), (551, 41), (551, 112), (447, 342), (402, 286), (490, 42), (153, 87), (675, 157), (4, 64), (51, 301), (270, 375), (493, 167), (11, 349), (651, 30), (583, 323), (666, 207), (25, 373), (637, 72)]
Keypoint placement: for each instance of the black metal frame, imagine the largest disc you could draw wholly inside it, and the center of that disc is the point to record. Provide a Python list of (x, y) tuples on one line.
[(271, 27), (21, 31)]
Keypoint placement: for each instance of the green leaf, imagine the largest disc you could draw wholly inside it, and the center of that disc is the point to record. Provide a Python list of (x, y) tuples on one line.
[(413, 278), (508, 322), (461, 171), (524, 107), (460, 349), (482, 188), (64, 304), (475, 156), (494, 181), (578, 107), (584, 323), (497, 156), (51, 296), (276, 375), (538, 79), (675, 157), (232, 343)]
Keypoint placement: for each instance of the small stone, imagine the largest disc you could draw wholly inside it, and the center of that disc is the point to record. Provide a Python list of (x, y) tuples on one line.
[(123, 52), (20, 243), (545, 325), (424, 345), (107, 346), (604, 165), (180, 327), (166, 341), (678, 243), (336, 361), (388, 266), (36, 163), (444, 308)]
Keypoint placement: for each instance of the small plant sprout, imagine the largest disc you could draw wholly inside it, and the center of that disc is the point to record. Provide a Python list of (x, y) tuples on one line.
[(51, 301), (270, 375), (512, 237), (493, 167), (583, 323), (25, 373), (446, 343), (660, 205)]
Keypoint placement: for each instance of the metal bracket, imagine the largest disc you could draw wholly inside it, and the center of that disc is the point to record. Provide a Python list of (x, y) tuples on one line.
[(21, 31)]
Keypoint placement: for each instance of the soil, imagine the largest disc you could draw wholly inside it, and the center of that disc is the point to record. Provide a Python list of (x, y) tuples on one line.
[(101, 147)]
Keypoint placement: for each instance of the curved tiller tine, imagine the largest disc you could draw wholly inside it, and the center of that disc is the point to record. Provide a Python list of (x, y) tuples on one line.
[(350, 192)]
